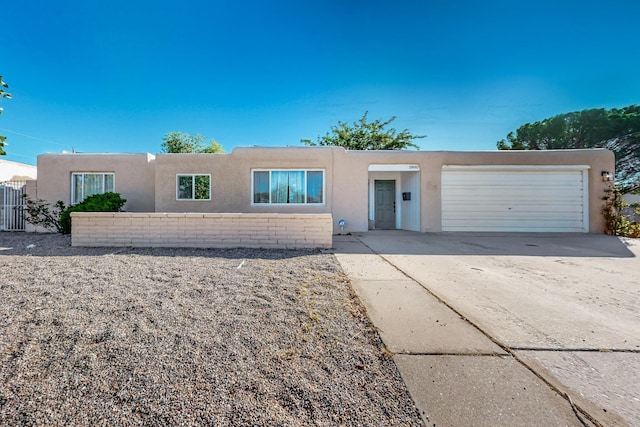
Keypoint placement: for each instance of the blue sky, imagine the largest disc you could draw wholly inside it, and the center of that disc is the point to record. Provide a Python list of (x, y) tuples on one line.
[(116, 76)]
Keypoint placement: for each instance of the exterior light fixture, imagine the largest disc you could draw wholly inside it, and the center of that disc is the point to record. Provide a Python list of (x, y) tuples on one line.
[(606, 176)]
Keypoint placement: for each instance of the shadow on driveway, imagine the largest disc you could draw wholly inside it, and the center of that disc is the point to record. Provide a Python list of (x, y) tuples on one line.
[(401, 242)]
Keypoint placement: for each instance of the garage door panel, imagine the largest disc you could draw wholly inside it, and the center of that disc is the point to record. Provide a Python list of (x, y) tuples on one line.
[(511, 223), (507, 180), (531, 210), (491, 176), (508, 200), (515, 200), (561, 228), (536, 205), (521, 194), (556, 201), (515, 188), (517, 216)]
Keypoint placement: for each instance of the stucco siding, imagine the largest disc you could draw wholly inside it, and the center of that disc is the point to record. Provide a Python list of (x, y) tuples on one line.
[(134, 176), (350, 191), (231, 179)]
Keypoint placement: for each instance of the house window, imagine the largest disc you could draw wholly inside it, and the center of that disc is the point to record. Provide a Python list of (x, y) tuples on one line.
[(278, 187), (193, 187), (85, 184)]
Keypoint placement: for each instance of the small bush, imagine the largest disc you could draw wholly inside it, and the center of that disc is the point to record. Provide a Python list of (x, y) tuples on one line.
[(618, 222), (107, 202), (40, 213)]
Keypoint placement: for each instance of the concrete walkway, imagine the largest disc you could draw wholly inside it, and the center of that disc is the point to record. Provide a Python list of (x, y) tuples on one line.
[(457, 374)]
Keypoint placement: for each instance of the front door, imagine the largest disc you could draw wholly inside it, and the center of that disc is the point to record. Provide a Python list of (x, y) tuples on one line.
[(385, 200)]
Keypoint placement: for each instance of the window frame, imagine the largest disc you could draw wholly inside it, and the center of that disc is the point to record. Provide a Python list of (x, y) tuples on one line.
[(193, 187), (305, 170), (104, 175)]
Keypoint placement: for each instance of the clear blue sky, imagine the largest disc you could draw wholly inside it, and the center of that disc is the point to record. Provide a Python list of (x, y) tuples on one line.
[(115, 76)]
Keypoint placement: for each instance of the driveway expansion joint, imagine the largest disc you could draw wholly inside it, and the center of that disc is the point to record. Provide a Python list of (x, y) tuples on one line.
[(577, 350), (578, 411), (445, 353)]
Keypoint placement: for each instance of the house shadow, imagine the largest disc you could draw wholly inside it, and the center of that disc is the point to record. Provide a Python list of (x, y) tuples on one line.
[(391, 242), (401, 242)]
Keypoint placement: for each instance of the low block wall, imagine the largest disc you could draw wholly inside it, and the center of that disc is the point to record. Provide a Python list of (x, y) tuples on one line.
[(203, 230)]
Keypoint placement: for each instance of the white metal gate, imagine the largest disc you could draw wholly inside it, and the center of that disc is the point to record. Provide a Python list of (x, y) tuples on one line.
[(11, 205)]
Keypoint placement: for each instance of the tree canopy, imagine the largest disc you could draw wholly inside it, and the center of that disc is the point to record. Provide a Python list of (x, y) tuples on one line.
[(3, 94), (617, 129), (179, 142), (364, 135)]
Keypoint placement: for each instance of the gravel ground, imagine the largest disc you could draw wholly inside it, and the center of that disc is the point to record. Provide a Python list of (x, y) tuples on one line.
[(122, 336)]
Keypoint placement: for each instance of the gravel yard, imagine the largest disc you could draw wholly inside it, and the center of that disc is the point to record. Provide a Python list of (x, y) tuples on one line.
[(122, 336)]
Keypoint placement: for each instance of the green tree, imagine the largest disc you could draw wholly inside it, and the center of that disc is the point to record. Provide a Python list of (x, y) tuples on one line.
[(203, 184), (617, 129), (179, 142), (3, 94), (365, 135)]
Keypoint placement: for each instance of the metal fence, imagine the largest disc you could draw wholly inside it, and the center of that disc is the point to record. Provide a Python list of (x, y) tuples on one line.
[(11, 205)]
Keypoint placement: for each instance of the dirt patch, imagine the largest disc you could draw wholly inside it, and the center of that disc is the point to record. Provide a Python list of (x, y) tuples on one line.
[(122, 336)]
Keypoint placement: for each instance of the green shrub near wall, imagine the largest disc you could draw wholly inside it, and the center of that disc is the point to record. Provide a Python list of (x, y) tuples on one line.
[(107, 202), (618, 215)]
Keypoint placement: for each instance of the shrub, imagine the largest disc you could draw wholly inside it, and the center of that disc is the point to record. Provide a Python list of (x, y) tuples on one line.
[(40, 213), (617, 216), (107, 202)]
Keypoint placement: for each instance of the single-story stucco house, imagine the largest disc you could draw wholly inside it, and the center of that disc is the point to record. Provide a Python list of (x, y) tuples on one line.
[(424, 191)]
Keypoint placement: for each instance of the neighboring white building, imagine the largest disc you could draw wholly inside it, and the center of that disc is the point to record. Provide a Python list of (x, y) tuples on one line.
[(13, 171)]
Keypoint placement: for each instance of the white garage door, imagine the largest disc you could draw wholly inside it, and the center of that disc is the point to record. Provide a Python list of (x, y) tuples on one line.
[(515, 198)]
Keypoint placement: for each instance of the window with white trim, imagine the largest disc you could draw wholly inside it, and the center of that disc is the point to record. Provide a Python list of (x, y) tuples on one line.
[(288, 186), (85, 184), (193, 187)]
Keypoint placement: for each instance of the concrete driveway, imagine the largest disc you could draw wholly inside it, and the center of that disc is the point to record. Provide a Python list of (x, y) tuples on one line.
[(565, 306)]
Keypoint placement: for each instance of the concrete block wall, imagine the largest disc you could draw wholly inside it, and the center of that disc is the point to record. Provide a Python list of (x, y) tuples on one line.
[(202, 230)]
